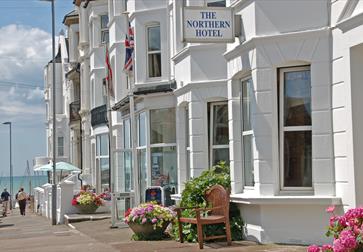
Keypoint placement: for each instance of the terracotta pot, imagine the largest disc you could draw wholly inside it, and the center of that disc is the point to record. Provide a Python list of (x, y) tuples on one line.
[(87, 209), (147, 232)]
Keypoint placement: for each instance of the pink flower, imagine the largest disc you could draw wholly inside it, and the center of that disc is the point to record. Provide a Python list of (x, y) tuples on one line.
[(330, 209), (313, 248), (327, 248), (143, 220), (154, 220)]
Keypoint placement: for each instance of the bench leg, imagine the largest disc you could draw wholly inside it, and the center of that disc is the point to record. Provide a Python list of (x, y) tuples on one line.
[(180, 232), (228, 233), (200, 235)]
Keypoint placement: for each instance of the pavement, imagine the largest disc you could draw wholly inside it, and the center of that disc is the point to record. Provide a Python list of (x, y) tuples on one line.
[(35, 233)]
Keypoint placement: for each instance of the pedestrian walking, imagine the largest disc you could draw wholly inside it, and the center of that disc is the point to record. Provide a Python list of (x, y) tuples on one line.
[(22, 197), (5, 197)]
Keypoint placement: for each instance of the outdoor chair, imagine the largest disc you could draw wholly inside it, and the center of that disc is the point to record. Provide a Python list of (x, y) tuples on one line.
[(217, 212)]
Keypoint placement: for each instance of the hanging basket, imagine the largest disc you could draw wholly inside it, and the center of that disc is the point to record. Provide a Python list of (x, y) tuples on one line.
[(87, 209)]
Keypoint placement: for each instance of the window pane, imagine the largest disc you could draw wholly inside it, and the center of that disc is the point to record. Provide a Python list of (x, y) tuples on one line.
[(220, 124), (104, 145), (297, 98), (220, 155), (164, 167), (246, 104), (105, 36), (154, 38), (162, 126), (297, 159), (142, 165), (60, 146), (105, 174), (154, 65), (248, 160), (187, 144), (142, 129), (127, 138), (216, 3), (128, 179), (104, 21)]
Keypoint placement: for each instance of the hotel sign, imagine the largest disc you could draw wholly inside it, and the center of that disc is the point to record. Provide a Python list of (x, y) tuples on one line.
[(208, 25)]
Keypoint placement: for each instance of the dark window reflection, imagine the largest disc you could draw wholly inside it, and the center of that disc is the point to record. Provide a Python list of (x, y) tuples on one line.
[(297, 159), (297, 93)]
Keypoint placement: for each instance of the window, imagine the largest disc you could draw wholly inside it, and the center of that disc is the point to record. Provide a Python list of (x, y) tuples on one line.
[(163, 148), (141, 125), (154, 51), (127, 157), (218, 139), (162, 125), (104, 29), (247, 133), (215, 3), (104, 91), (295, 128), (60, 146), (187, 142), (102, 159)]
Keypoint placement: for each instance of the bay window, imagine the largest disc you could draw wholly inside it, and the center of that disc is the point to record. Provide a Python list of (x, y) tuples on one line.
[(153, 51), (247, 133), (218, 134), (127, 157), (295, 128), (102, 160), (104, 29), (141, 152), (163, 148)]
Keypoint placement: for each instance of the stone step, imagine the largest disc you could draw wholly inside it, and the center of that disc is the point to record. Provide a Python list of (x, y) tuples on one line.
[(70, 218)]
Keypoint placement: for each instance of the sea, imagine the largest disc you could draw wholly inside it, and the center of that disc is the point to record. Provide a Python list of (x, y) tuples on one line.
[(27, 182)]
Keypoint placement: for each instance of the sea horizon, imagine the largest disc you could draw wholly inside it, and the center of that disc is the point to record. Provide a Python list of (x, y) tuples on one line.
[(27, 182)]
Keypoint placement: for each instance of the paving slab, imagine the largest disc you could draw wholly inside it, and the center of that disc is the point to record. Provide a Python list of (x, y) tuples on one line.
[(32, 233), (120, 238)]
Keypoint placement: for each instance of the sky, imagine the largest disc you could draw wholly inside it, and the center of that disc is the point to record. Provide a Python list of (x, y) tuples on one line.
[(25, 48)]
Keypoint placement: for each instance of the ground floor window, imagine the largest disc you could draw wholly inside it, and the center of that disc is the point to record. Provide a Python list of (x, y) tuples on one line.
[(295, 127), (247, 133), (102, 160), (218, 133)]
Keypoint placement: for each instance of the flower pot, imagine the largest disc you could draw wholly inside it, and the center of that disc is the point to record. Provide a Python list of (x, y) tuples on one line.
[(87, 209), (147, 232)]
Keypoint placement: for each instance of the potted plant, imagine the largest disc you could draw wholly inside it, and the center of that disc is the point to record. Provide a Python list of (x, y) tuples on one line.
[(87, 202), (149, 220)]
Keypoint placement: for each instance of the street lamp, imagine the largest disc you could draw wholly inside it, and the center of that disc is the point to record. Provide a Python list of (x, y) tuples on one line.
[(54, 186), (11, 167)]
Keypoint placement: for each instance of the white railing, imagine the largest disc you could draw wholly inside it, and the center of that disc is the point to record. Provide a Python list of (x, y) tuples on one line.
[(120, 202)]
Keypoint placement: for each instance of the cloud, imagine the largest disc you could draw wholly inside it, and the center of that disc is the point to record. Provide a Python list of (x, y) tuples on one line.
[(24, 51)]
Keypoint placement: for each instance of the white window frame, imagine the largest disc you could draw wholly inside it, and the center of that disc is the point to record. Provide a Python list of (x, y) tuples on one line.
[(156, 24), (211, 146), (99, 156), (127, 150), (60, 147), (187, 143), (245, 133), (104, 30), (283, 129)]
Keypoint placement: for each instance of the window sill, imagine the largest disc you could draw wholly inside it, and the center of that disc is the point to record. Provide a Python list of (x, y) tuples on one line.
[(282, 200)]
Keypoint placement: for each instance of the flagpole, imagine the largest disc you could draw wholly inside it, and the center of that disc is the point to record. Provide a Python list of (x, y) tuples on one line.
[(109, 119)]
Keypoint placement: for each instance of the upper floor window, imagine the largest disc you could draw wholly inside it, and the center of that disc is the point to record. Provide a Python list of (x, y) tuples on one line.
[(154, 51), (104, 29), (295, 127), (60, 146), (215, 3)]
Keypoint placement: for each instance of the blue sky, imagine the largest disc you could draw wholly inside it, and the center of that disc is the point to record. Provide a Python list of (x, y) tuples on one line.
[(25, 48)]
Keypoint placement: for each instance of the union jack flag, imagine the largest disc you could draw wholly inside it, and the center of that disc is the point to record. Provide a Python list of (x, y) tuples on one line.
[(129, 46)]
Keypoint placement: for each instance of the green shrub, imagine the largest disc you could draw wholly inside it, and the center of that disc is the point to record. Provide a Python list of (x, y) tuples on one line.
[(193, 196)]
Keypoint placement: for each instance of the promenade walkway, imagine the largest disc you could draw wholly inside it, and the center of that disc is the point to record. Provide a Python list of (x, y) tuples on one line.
[(33, 233)]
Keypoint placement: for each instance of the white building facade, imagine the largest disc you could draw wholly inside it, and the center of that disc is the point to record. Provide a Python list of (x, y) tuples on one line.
[(279, 105)]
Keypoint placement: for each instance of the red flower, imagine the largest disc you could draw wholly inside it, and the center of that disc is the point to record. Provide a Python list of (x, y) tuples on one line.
[(127, 213), (74, 202)]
